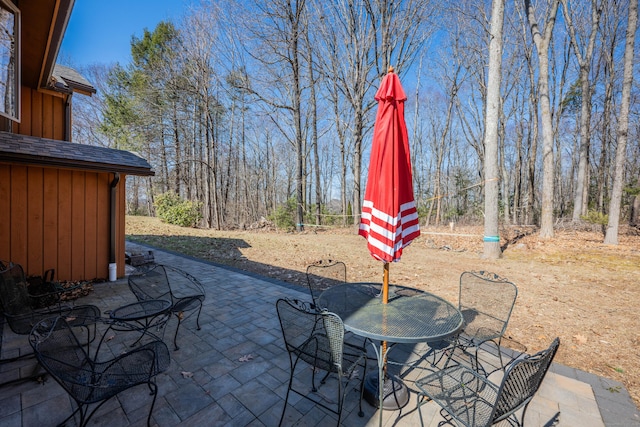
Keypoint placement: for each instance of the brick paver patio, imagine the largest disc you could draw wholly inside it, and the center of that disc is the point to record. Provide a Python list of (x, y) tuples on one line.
[(234, 371)]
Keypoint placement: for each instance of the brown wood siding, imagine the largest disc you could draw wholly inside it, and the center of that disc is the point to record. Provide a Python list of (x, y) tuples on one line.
[(59, 219), (5, 212), (37, 112), (77, 225), (58, 126), (50, 219), (18, 219), (64, 223), (35, 215), (25, 112), (47, 117), (90, 221), (43, 115), (102, 219)]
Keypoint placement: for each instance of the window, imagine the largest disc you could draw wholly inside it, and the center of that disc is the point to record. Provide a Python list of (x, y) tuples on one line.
[(9, 60)]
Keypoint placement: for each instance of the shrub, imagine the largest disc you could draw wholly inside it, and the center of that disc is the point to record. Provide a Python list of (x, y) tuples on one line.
[(595, 217), (598, 219), (284, 216), (172, 209)]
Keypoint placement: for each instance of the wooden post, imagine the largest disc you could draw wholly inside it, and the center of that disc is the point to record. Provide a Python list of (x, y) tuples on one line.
[(385, 300), (385, 283)]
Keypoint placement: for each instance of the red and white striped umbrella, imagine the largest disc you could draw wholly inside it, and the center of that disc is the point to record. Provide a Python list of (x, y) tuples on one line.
[(389, 219)]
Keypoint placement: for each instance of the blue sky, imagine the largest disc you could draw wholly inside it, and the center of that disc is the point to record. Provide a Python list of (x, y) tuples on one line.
[(100, 31)]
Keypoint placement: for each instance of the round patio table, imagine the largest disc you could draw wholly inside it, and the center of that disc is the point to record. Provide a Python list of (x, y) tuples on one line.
[(143, 315), (410, 316)]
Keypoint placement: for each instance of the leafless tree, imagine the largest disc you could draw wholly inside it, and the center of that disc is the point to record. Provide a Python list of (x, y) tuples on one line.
[(492, 119), (584, 55), (256, 104), (277, 36), (542, 39), (365, 37), (611, 236)]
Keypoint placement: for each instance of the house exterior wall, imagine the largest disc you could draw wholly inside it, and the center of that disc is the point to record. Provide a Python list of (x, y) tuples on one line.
[(42, 115), (57, 218)]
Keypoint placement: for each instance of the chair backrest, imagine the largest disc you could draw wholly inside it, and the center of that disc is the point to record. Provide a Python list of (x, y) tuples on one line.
[(14, 295), (153, 283), (323, 274), (334, 329), (112, 369), (317, 338), (522, 380), (486, 302), (164, 282), (59, 351), (181, 283)]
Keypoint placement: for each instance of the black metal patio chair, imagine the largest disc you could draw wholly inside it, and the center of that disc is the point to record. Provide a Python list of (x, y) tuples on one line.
[(95, 379), (43, 290), (323, 274), (472, 400), (486, 301), (17, 308), (184, 291), (317, 338)]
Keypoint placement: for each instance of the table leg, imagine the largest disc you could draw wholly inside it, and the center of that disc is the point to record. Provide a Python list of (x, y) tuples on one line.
[(384, 391), (382, 356)]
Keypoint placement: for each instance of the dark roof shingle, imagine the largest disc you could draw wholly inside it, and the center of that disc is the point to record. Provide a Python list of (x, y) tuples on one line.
[(69, 79), (15, 148)]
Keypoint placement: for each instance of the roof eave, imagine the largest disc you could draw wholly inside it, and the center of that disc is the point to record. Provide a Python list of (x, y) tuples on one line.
[(31, 160), (62, 14)]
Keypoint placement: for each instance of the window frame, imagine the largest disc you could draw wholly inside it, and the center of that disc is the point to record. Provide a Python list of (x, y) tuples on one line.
[(13, 115)]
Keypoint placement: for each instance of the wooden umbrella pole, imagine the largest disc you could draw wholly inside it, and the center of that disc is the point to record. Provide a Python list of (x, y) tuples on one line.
[(385, 299), (385, 283)]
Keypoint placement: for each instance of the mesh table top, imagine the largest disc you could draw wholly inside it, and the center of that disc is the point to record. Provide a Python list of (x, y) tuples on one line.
[(140, 310), (410, 316)]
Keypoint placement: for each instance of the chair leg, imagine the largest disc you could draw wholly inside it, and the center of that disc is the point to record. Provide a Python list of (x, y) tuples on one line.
[(364, 375), (324, 379), (180, 316), (175, 337), (341, 396), (198, 318), (286, 398), (284, 408), (313, 380), (154, 391), (418, 407)]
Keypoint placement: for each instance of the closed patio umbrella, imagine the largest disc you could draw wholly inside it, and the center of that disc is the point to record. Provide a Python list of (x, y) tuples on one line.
[(389, 219)]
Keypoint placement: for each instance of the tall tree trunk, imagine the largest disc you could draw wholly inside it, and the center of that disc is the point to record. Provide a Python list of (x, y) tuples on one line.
[(296, 13), (532, 137), (504, 182), (178, 148), (313, 119), (211, 120), (357, 166), (580, 201), (611, 236), (517, 184), (492, 122), (548, 175)]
